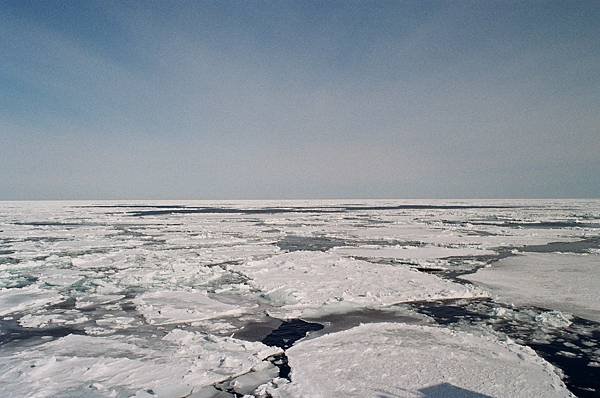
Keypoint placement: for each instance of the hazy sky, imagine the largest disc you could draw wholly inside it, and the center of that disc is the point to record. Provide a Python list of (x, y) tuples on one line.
[(299, 99)]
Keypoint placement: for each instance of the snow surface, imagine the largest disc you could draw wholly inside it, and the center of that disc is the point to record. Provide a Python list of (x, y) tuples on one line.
[(423, 257), (411, 252), (169, 307), (566, 282), (122, 276), (113, 366), (306, 283), (395, 360), (26, 298)]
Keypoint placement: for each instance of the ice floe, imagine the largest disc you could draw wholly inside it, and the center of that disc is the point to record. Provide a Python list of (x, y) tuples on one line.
[(61, 319), (566, 282), (26, 298), (395, 360), (411, 252), (308, 283), (169, 307), (176, 366)]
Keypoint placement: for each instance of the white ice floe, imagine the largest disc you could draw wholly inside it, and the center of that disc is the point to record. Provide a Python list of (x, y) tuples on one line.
[(91, 301), (165, 269), (554, 319), (435, 233), (59, 277), (171, 307), (309, 283), (26, 298), (61, 319), (411, 252), (398, 360), (118, 322), (179, 364), (566, 282)]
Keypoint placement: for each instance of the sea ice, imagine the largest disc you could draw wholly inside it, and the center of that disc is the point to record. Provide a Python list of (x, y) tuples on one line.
[(170, 307), (309, 283), (565, 282), (86, 302), (179, 364), (399, 360), (411, 252), (26, 298), (60, 319), (121, 271)]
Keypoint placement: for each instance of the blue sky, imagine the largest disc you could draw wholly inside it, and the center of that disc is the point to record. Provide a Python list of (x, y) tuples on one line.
[(299, 99)]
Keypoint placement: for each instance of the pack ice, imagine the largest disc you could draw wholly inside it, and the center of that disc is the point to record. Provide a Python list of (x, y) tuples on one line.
[(565, 282), (165, 299), (177, 365), (394, 360), (310, 284)]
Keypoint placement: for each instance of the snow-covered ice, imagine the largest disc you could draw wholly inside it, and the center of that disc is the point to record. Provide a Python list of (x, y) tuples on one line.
[(175, 366), (411, 252), (168, 307), (395, 360), (141, 298), (306, 283), (26, 298), (566, 282)]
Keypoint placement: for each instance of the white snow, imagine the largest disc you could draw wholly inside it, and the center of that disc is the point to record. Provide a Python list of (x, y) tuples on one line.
[(26, 298), (308, 283), (411, 252), (436, 234), (396, 360), (90, 301), (127, 280), (118, 367), (565, 282), (169, 307), (432, 257), (60, 319)]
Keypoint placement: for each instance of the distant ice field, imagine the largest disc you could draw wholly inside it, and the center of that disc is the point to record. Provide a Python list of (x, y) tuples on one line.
[(214, 299)]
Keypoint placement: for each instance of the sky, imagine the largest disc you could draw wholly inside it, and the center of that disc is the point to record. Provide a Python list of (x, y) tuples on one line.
[(299, 99)]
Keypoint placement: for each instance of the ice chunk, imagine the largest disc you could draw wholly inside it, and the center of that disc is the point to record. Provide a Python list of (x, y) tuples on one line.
[(26, 298), (399, 360), (306, 283), (261, 374), (565, 282), (555, 319), (121, 366), (44, 320), (118, 322), (411, 252), (91, 301), (169, 307)]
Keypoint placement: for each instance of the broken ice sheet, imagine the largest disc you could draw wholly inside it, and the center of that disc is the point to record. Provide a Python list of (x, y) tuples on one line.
[(411, 252), (54, 319), (310, 283), (118, 366), (170, 307), (26, 298), (396, 360), (565, 282), (77, 269)]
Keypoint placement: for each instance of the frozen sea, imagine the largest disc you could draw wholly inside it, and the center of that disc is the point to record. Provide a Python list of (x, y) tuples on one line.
[(303, 299)]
